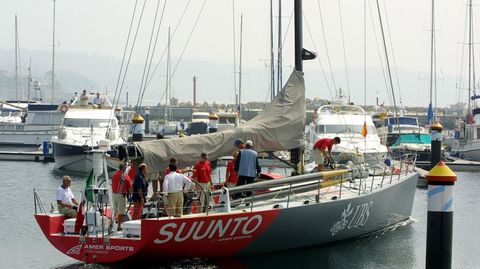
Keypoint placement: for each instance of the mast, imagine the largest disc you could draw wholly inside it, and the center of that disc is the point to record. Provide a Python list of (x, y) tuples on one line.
[(53, 55), (296, 153), (167, 82), (16, 59), (279, 56), (29, 80), (240, 71), (298, 35), (272, 57), (235, 91), (470, 54), (432, 64)]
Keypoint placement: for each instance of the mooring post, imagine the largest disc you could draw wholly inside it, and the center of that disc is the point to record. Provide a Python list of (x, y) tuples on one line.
[(436, 144), (440, 216)]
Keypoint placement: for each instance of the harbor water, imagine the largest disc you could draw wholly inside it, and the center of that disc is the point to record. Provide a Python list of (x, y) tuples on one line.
[(23, 245)]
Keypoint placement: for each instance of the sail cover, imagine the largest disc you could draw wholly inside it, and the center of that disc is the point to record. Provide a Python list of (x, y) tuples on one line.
[(280, 126)]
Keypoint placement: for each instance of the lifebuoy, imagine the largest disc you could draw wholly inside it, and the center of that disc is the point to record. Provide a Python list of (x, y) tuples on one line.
[(64, 108)]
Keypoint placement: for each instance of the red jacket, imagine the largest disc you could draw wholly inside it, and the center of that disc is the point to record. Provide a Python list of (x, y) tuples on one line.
[(203, 171), (121, 188), (323, 144)]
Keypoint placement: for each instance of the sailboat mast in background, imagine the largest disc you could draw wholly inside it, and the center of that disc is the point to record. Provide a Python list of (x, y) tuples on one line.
[(53, 55), (16, 59)]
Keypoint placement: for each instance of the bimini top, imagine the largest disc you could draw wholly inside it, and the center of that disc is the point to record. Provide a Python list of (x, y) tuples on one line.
[(413, 139)]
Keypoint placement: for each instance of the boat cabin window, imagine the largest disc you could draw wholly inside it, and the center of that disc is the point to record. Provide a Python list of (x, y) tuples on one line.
[(401, 120), (320, 129), (47, 118), (226, 120), (347, 128), (199, 117), (87, 123)]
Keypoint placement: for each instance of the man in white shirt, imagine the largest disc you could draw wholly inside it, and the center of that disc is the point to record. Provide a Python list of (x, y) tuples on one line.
[(84, 99), (174, 185), (67, 204)]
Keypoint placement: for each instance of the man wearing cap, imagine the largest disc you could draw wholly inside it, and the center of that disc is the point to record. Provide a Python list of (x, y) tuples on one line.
[(246, 164), (121, 186), (67, 204), (140, 188), (174, 185), (202, 174)]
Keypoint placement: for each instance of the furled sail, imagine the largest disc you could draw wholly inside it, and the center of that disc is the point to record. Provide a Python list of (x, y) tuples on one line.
[(280, 126)]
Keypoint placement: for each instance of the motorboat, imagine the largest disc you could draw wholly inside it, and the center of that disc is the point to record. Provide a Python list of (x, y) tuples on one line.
[(227, 120), (414, 143), (347, 122), (393, 127), (83, 129), (32, 126)]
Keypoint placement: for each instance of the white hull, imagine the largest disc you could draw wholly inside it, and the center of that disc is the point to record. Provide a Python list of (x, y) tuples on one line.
[(33, 138), (471, 150)]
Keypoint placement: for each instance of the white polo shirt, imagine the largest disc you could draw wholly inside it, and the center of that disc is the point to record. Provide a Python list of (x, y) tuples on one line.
[(174, 182), (65, 195)]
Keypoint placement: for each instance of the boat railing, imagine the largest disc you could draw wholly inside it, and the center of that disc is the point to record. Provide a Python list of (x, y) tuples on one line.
[(285, 188)]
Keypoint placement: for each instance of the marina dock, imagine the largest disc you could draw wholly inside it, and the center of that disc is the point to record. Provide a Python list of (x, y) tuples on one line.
[(36, 156)]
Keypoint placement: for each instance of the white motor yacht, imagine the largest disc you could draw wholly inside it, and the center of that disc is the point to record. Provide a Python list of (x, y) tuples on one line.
[(346, 122), (84, 128)]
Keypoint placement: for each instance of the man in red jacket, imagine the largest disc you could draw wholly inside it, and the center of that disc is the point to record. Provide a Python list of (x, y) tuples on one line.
[(319, 150), (121, 187), (202, 174)]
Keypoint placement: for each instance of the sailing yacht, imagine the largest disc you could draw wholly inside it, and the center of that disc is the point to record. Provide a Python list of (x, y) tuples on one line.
[(85, 127), (470, 142)]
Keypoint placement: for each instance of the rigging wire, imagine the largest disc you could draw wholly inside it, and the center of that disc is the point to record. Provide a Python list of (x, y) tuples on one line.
[(393, 55), (131, 48), (382, 64), (188, 41), (460, 80), (318, 58), (173, 35), (388, 63), (141, 92), (325, 43)]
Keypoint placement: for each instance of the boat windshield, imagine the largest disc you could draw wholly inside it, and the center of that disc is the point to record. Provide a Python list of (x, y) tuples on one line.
[(87, 123), (401, 120), (199, 117), (344, 128), (226, 120)]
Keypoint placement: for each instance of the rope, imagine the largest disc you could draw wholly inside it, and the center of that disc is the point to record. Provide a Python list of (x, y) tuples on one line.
[(325, 42)]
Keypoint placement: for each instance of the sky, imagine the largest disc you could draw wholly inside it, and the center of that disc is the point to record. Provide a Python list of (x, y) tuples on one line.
[(100, 27)]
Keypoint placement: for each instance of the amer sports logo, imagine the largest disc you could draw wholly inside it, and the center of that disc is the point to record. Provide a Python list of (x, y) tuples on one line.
[(217, 229), (75, 250)]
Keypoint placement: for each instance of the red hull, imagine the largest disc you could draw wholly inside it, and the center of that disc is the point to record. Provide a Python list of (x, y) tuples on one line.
[(227, 234)]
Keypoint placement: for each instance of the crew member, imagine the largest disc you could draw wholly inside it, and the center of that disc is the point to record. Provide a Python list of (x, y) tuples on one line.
[(202, 174), (231, 177), (246, 165), (67, 204), (319, 150), (140, 188), (121, 187), (174, 185)]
